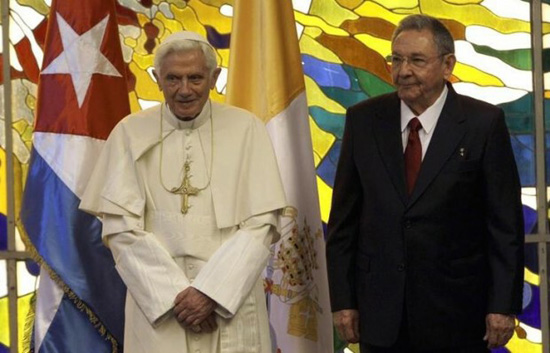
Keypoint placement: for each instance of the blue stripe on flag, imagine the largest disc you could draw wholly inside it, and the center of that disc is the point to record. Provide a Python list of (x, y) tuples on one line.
[(73, 328), (69, 241)]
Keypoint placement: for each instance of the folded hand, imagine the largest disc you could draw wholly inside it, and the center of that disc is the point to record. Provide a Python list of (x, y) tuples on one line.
[(500, 328), (192, 307), (347, 324)]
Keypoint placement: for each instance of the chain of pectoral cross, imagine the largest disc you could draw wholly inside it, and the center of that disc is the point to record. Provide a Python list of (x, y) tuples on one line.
[(186, 189)]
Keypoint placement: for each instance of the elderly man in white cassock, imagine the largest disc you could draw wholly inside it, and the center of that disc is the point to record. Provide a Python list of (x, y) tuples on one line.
[(189, 194)]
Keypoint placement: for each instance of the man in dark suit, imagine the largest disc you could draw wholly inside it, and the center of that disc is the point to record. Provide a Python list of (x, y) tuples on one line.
[(425, 247)]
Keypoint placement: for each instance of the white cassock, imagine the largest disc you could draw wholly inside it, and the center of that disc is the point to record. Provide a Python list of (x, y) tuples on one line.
[(220, 246)]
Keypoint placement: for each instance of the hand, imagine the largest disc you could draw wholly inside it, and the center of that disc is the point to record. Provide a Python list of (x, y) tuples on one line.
[(500, 328), (207, 326), (192, 307), (347, 324)]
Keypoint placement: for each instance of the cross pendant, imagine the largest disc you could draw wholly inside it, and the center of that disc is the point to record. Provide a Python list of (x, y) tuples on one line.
[(185, 189)]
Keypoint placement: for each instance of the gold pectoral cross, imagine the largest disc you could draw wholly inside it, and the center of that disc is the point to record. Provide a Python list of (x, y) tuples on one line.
[(185, 189)]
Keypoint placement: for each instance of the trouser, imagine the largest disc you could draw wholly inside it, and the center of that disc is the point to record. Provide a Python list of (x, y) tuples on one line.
[(403, 344), (366, 348)]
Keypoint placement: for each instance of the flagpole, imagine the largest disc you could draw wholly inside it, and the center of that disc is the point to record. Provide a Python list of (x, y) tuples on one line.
[(11, 262)]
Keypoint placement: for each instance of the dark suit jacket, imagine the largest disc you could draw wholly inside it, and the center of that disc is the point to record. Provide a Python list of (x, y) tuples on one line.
[(451, 252)]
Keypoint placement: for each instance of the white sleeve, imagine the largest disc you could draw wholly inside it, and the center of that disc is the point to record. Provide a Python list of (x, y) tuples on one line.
[(232, 271), (149, 272)]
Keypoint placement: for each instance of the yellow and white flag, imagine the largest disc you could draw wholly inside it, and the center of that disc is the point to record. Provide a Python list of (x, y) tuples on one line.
[(266, 78)]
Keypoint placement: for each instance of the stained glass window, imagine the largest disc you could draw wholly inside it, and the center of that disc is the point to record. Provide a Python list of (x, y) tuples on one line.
[(343, 45)]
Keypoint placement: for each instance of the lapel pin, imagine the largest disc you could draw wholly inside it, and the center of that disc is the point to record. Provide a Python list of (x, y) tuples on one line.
[(462, 152)]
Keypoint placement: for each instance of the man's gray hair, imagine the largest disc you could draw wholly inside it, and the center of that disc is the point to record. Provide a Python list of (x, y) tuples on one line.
[(442, 37), (177, 46)]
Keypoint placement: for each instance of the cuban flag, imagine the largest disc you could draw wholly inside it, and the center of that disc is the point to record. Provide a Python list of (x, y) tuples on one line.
[(266, 78), (82, 94)]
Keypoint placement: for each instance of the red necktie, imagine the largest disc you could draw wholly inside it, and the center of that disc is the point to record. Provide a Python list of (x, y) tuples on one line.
[(413, 154)]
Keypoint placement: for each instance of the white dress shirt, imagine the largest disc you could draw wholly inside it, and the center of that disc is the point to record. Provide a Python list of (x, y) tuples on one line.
[(428, 119)]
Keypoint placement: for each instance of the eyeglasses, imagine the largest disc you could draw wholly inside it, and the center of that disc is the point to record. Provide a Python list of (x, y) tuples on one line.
[(418, 62)]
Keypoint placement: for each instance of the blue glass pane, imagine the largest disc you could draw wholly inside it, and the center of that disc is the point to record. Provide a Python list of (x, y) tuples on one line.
[(327, 168), (527, 295), (531, 257), (531, 313), (325, 74), (32, 267), (524, 152), (529, 219), (3, 232), (218, 40)]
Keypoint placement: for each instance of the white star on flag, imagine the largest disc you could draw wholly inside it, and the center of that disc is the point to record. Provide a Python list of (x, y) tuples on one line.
[(81, 57)]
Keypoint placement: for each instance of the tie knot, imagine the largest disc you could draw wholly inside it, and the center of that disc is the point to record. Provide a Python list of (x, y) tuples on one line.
[(415, 125)]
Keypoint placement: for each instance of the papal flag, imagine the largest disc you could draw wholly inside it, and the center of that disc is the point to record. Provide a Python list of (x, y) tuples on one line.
[(82, 94), (266, 78)]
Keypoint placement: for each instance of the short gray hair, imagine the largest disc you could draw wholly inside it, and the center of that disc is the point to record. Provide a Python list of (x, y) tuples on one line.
[(442, 37), (177, 46)]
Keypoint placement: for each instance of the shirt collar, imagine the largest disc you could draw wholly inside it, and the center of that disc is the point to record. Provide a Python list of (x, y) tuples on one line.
[(429, 118), (175, 123)]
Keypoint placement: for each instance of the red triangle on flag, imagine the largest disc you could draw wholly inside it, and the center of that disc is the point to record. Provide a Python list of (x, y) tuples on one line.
[(82, 87)]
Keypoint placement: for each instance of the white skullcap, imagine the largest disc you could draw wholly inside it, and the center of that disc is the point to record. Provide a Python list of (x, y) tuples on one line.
[(185, 35)]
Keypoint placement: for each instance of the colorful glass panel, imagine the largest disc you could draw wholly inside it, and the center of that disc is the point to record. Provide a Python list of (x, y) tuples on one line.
[(343, 44), (4, 320)]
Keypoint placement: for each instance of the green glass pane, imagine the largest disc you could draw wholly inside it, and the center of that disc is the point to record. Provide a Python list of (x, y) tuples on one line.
[(372, 84), (520, 58)]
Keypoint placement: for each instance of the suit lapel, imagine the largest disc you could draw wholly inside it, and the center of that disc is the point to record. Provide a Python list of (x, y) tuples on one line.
[(448, 133), (387, 132)]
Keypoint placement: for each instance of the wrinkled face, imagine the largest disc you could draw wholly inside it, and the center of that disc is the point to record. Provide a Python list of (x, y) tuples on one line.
[(185, 82), (420, 72)]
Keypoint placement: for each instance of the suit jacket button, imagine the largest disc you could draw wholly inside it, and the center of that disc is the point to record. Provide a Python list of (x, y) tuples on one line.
[(401, 267), (407, 224)]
